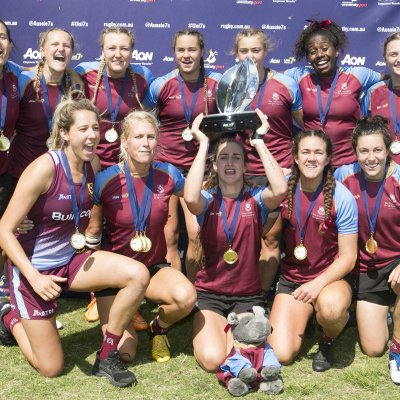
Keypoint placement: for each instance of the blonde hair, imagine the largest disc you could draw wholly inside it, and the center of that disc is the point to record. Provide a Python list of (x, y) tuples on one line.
[(118, 30), (128, 122), (64, 117), (67, 80), (250, 32)]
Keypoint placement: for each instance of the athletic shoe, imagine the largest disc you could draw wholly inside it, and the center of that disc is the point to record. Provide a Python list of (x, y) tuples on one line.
[(159, 346), (323, 358), (139, 323), (394, 365), (6, 337), (114, 370), (91, 314)]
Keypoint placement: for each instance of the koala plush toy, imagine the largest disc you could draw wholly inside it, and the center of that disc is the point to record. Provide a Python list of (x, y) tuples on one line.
[(251, 365)]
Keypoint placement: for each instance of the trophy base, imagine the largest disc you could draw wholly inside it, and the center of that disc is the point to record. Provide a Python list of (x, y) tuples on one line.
[(215, 124)]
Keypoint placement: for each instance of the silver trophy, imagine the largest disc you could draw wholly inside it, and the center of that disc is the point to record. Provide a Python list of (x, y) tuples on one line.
[(235, 91)]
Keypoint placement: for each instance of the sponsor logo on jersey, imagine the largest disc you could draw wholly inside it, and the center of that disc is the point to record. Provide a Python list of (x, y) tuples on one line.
[(64, 196), (58, 216), (37, 313)]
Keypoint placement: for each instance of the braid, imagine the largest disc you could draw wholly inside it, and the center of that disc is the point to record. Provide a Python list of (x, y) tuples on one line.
[(328, 188), (134, 86), (98, 80), (203, 73), (292, 187), (36, 83), (67, 83)]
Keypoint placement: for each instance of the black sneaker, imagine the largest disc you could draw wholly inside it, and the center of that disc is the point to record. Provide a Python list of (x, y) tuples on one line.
[(6, 337), (113, 368), (323, 358)]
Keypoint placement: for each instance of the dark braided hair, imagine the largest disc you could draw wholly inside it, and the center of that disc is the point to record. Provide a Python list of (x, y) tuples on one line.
[(327, 28), (328, 178)]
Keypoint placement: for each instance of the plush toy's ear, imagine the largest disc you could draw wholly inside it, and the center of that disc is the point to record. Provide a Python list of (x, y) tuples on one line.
[(259, 312), (233, 319)]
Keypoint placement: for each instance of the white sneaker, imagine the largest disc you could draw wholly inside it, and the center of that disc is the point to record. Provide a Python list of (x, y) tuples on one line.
[(394, 365)]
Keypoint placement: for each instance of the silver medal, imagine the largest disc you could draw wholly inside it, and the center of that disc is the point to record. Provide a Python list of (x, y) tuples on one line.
[(187, 134)]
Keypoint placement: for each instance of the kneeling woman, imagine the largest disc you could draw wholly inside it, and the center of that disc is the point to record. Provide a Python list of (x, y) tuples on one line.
[(374, 182), (55, 192), (133, 198), (319, 231), (231, 216)]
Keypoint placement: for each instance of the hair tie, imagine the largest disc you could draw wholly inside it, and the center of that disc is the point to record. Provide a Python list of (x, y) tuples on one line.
[(326, 224)]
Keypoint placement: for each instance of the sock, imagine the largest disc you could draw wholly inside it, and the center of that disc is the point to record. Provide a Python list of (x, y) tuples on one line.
[(110, 343), (394, 346), (159, 327), (10, 319), (326, 339)]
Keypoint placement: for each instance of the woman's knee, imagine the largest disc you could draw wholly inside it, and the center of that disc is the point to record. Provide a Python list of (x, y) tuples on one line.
[(137, 274), (50, 370), (185, 297), (372, 349), (209, 360), (330, 308)]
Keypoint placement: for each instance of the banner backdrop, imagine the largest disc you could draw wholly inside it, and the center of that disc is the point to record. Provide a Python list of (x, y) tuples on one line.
[(154, 22)]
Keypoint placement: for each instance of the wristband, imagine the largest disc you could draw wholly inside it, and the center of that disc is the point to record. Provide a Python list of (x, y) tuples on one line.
[(93, 241), (255, 141)]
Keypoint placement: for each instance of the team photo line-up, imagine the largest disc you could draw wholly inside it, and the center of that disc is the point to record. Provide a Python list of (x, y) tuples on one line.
[(95, 162)]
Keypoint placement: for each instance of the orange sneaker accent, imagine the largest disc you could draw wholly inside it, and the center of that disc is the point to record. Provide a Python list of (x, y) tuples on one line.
[(139, 323), (91, 314)]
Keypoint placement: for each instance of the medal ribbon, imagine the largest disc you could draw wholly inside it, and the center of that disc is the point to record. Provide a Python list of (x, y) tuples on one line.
[(77, 209), (140, 213), (302, 228), (262, 89), (114, 111), (229, 231), (324, 113), (395, 121), (188, 113), (3, 109), (372, 221), (46, 99)]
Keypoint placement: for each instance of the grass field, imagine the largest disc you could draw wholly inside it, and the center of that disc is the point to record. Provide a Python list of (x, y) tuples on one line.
[(354, 375)]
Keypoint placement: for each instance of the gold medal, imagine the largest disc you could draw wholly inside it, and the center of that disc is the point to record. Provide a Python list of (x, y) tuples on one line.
[(78, 240), (395, 147), (230, 256), (136, 243), (111, 135), (4, 142), (147, 242), (187, 134), (300, 252), (371, 246)]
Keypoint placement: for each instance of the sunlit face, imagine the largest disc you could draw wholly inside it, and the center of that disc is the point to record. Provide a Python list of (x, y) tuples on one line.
[(83, 135), (141, 142), (117, 50), (372, 154), (187, 56), (5, 45), (392, 57), (57, 51), (322, 55), (311, 158), (252, 46), (230, 165)]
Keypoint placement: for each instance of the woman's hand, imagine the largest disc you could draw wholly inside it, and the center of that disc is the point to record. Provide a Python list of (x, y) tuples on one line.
[(394, 280), (25, 226), (308, 292), (47, 286), (196, 132)]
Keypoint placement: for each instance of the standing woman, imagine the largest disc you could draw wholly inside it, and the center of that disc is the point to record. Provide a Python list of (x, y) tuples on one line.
[(115, 86), (374, 182), (383, 98), (132, 197), (40, 90), (180, 96), (330, 93), (55, 191), (231, 216), (321, 214)]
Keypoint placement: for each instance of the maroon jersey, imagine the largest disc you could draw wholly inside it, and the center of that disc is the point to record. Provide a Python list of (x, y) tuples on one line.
[(322, 249), (387, 228), (280, 97), (32, 129), (109, 152), (111, 193), (240, 278), (166, 96)]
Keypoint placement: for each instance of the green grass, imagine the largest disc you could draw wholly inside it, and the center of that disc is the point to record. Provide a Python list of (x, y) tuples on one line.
[(354, 375)]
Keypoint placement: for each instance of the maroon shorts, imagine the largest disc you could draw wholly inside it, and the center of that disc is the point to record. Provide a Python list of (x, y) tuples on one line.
[(27, 302)]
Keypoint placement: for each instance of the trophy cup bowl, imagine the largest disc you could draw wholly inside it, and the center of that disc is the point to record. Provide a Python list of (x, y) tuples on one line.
[(235, 91)]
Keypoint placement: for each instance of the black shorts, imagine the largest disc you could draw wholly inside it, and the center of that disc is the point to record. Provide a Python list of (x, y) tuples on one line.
[(7, 187), (373, 287), (112, 291), (223, 305)]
